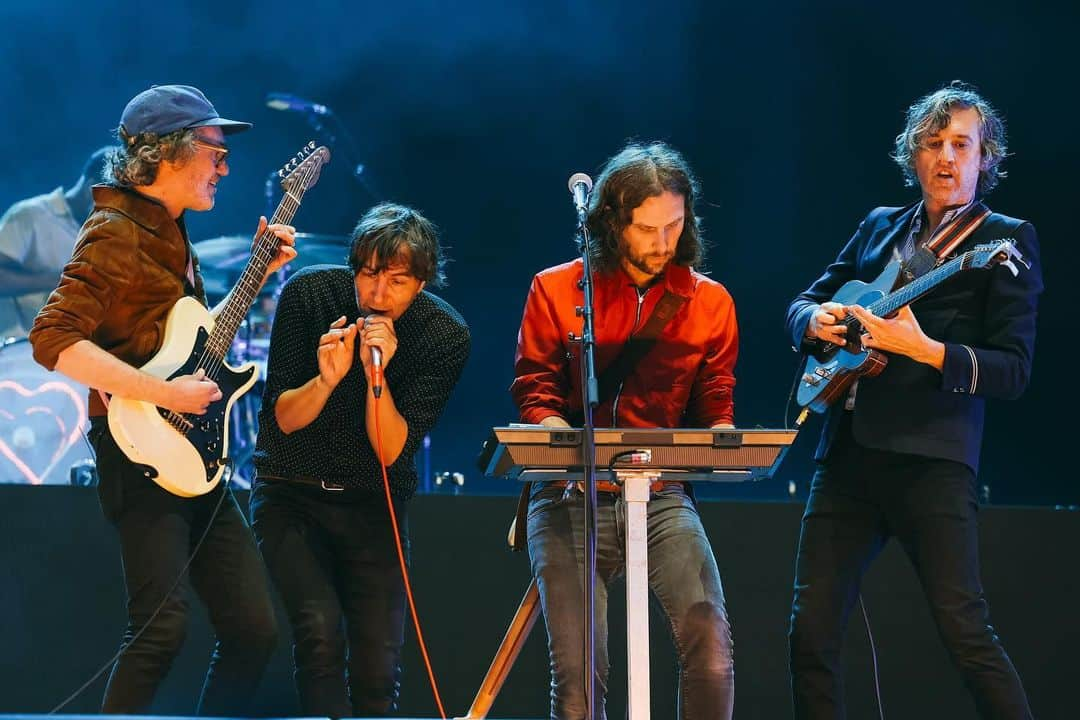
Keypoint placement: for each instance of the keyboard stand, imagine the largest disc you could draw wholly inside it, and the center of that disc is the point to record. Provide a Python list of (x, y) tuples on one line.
[(500, 462)]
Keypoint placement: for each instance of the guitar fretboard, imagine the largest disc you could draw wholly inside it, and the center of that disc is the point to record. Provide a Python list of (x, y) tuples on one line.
[(919, 286), (263, 252)]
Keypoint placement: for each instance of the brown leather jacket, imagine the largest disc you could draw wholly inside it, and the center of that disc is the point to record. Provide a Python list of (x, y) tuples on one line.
[(128, 268)]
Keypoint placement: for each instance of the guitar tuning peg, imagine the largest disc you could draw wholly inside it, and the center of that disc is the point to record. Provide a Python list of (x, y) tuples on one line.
[(281, 173), (311, 145)]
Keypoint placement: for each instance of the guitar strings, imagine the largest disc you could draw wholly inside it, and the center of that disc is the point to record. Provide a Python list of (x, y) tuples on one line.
[(213, 354), (265, 249), (905, 294)]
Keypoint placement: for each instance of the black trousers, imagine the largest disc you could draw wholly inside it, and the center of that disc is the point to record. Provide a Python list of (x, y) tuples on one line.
[(859, 499), (158, 532), (333, 559)]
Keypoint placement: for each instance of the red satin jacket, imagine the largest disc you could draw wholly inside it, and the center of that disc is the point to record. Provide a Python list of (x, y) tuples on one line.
[(685, 380)]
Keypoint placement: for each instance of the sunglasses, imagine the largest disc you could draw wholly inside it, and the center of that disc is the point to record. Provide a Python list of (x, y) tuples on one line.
[(221, 154)]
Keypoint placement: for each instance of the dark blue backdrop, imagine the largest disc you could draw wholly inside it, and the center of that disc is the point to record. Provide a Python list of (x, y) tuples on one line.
[(476, 112)]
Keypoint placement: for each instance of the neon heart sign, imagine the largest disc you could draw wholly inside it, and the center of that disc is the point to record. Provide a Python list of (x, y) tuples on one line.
[(38, 426)]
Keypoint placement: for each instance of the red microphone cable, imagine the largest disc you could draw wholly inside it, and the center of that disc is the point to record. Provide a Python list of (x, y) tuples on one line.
[(401, 561)]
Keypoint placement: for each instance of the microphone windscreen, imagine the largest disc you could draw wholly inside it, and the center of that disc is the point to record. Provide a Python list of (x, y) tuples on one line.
[(580, 178)]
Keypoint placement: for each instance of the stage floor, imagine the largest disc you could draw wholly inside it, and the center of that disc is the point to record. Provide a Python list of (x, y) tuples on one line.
[(63, 609)]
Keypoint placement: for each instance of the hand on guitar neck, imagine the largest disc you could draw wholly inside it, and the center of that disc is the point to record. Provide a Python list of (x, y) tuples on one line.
[(864, 321), (283, 254), (286, 252)]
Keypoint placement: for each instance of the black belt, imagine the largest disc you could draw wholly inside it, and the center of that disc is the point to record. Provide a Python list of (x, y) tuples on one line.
[(606, 486), (307, 480)]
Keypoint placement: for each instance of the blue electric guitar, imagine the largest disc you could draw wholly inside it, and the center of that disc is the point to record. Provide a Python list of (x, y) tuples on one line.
[(830, 372)]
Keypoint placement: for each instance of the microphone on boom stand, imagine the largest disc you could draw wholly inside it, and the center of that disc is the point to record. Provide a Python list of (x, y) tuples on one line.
[(580, 186)]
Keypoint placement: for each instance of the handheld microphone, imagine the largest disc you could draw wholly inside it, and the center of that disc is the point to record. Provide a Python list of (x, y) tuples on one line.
[(580, 186), (376, 366), (284, 101)]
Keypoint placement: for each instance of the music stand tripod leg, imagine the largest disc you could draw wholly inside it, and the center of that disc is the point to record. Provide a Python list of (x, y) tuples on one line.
[(520, 627)]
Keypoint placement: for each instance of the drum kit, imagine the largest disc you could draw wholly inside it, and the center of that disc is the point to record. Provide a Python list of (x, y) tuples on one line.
[(43, 415)]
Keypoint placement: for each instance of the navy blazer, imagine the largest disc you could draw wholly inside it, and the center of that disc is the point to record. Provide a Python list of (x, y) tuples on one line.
[(985, 318)]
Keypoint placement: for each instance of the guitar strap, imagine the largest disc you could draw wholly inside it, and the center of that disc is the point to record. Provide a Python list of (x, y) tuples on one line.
[(941, 244), (948, 237), (610, 380), (945, 240), (639, 344)]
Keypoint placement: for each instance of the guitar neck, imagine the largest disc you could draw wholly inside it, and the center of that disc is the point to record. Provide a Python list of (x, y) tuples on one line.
[(247, 287), (918, 287)]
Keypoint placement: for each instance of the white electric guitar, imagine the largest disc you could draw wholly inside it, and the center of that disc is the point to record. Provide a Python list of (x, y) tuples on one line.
[(186, 454)]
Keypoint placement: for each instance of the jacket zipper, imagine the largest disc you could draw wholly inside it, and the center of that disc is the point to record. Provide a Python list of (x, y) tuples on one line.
[(618, 393)]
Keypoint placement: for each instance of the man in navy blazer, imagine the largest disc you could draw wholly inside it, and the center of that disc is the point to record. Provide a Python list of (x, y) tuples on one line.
[(899, 453)]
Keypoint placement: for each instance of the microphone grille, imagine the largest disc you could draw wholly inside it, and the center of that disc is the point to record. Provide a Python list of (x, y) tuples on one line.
[(580, 178)]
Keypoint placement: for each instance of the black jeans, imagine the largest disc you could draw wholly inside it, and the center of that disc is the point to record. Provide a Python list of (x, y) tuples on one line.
[(332, 558), (158, 532), (859, 499), (683, 579)]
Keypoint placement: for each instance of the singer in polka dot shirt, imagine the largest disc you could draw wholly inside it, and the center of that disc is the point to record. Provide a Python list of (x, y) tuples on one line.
[(347, 343)]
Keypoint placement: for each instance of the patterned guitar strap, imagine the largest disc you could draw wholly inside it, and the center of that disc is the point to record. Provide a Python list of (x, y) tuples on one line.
[(944, 241), (931, 253)]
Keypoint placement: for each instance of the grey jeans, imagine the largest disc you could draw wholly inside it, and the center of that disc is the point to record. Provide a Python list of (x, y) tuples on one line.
[(683, 579)]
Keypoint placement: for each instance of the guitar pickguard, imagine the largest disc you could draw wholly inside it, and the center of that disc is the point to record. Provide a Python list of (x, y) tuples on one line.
[(207, 432)]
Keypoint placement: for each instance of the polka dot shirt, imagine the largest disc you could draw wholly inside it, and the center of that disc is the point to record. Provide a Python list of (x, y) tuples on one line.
[(433, 345)]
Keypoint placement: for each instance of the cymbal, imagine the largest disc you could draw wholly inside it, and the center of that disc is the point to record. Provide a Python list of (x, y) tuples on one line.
[(223, 259)]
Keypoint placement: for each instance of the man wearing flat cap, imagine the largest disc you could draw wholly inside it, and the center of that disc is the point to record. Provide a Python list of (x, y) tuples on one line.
[(131, 263)]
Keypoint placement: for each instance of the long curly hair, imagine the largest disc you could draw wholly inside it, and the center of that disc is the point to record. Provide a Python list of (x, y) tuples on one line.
[(634, 174), (136, 161), (932, 113)]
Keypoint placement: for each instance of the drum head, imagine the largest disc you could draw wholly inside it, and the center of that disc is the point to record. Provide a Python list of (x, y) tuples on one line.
[(42, 420)]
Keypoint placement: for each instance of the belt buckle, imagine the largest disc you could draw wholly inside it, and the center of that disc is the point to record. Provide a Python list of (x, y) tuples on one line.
[(331, 488), (601, 486)]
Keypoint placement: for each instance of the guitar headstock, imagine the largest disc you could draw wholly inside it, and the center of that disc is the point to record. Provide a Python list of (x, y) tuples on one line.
[(302, 171), (999, 252)]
